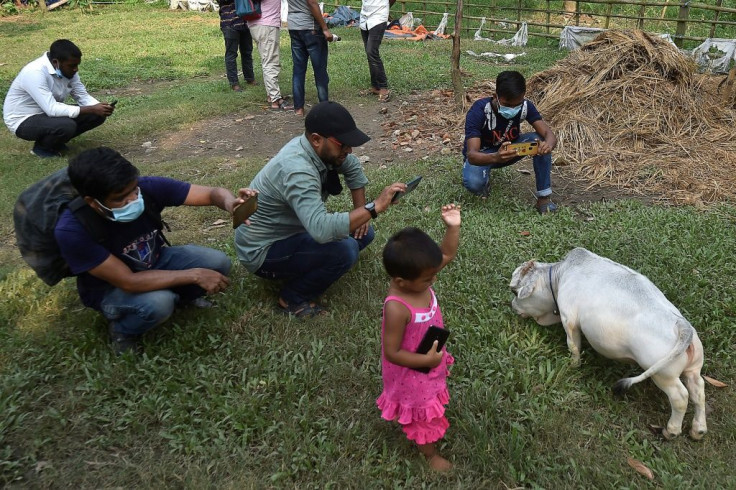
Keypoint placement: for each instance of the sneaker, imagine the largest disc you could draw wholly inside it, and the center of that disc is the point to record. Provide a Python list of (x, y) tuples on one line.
[(122, 343), (44, 153)]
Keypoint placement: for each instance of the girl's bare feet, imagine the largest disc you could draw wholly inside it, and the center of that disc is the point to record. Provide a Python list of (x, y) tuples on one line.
[(436, 462)]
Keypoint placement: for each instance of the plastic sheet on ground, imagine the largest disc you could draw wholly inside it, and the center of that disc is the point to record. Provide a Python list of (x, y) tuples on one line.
[(572, 37), (342, 16), (404, 29), (520, 38), (506, 56), (715, 54), (443, 25)]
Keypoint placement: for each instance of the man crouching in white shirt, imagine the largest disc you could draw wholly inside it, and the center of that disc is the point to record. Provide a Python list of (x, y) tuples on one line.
[(34, 108)]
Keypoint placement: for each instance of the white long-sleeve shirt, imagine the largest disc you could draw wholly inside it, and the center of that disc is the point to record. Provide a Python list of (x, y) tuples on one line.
[(37, 90), (373, 12)]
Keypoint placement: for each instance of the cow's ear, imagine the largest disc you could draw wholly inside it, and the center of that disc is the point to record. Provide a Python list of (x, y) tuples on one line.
[(526, 267), (527, 289)]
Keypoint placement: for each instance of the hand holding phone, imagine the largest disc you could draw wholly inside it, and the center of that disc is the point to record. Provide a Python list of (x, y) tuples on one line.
[(410, 186), (113, 103), (245, 210), (433, 334), (522, 149)]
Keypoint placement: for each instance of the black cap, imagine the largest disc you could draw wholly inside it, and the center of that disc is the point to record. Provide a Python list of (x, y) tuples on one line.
[(329, 118)]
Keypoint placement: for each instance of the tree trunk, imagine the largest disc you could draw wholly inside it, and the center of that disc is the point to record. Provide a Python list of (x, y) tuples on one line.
[(457, 81)]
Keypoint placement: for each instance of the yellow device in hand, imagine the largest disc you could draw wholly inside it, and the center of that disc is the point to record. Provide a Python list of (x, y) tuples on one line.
[(522, 149)]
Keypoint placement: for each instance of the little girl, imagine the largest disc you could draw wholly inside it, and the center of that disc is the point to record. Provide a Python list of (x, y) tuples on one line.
[(415, 399)]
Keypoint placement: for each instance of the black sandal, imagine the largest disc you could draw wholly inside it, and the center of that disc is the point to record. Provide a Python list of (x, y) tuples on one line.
[(302, 310)]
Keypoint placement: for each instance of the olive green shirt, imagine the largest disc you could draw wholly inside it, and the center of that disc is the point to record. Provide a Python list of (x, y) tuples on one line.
[(291, 201)]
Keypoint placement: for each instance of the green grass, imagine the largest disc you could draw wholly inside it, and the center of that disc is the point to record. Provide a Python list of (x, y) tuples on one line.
[(240, 397)]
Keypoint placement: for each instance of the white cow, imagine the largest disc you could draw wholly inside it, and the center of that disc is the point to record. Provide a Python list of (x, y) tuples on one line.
[(623, 316)]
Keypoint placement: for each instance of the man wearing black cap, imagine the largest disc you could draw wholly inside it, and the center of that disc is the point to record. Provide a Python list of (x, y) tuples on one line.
[(292, 236)]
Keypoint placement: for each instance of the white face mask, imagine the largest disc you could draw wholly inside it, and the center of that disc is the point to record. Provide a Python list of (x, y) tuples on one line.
[(58, 71)]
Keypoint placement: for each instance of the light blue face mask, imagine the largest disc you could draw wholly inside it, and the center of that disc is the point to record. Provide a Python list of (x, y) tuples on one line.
[(129, 212), (58, 71), (509, 112)]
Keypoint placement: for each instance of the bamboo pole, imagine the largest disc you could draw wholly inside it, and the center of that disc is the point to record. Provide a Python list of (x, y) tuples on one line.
[(719, 3), (682, 22), (457, 81)]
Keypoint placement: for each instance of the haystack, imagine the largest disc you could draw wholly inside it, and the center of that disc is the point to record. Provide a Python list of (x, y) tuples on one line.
[(630, 111)]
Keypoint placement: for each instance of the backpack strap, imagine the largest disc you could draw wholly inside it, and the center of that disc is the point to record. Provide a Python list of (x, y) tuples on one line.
[(89, 218)]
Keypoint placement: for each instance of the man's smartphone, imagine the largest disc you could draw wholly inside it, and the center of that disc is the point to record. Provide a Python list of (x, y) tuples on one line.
[(410, 186), (529, 148), (244, 211), (434, 333), (113, 103)]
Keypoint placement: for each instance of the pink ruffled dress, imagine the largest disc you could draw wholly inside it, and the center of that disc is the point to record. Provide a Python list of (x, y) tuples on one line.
[(414, 399)]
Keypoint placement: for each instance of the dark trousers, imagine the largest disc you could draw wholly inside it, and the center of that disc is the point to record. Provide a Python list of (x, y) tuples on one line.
[(50, 133), (372, 42), (238, 40), (308, 268)]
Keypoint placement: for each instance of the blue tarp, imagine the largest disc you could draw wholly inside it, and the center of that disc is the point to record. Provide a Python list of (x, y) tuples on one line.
[(342, 16)]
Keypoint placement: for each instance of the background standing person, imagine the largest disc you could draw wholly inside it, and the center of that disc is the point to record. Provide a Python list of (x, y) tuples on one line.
[(237, 37), (35, 108), (373, 22), (309, 36), (265, 32)]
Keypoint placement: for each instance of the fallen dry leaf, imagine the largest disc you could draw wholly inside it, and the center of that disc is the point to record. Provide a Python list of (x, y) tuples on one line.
[(525, 233), (219, 222), (715, 382), (239, 148), (523, 171), (640, 468), (656, 429)]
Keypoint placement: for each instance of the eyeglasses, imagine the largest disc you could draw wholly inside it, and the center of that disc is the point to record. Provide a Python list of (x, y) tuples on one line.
[(339, 145)]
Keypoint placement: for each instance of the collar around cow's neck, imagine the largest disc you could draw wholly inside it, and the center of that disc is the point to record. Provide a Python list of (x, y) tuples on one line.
[(556, 311)]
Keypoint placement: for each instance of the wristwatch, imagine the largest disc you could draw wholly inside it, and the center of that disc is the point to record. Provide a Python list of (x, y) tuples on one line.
[(371, 208)]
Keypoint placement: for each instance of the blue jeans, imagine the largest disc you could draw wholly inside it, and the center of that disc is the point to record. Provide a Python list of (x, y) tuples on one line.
[(308, 45), (308, 267), (238, 39), (476, 178), (136, 313)]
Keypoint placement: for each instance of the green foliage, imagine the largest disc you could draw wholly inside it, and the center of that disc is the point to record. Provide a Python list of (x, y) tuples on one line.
[(241, 397)]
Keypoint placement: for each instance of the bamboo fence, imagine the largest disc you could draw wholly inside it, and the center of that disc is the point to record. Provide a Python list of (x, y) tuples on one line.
[(683, 20)]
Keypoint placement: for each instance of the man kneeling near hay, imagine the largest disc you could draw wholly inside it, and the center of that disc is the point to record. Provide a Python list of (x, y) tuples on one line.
[(493, 124)]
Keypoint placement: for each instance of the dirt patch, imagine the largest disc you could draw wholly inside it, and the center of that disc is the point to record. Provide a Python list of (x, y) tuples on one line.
[(407, 128)]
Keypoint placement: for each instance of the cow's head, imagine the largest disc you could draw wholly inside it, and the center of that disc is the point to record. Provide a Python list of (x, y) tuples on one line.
[(533, 296)]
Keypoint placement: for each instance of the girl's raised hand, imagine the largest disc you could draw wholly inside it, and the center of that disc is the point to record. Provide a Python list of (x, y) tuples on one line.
[(434, 358), (451, 215)]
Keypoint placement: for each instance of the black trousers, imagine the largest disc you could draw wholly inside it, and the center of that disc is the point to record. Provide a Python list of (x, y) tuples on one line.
[(50, 133)]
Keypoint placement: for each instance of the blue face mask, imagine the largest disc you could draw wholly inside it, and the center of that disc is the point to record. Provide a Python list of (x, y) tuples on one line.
[(509, 112), (129, 212)]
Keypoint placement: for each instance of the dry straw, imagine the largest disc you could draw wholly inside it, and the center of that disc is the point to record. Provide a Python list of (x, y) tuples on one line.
[(630, 111)]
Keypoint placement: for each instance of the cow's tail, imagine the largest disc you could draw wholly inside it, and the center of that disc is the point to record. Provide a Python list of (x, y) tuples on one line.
[(685, 333)]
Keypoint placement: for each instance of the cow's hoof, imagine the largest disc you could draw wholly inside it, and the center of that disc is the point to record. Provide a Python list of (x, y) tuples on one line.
[(668, 435), (697, 435)]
